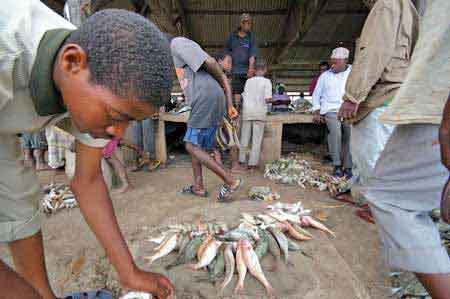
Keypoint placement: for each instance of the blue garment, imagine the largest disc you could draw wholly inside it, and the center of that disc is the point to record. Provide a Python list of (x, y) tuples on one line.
[(203, 138), (241, 49), (143, 134), (35, 140)]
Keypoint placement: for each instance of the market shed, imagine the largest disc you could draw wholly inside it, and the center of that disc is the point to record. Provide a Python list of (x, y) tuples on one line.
[(293, 35)]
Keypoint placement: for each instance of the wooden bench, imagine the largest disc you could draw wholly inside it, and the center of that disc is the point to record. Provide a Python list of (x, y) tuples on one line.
[(273, 133)]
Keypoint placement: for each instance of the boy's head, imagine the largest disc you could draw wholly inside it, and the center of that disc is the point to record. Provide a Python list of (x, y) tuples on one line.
[(260, 67), (114, 68)]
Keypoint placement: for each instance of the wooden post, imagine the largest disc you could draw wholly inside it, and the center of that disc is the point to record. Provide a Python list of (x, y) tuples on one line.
[(161, 146), (271, 145)]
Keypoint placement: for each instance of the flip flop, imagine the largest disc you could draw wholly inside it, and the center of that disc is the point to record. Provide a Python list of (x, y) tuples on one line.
[(100, 294), (225, 192), (345, 197), (365, 215), (189, 190)]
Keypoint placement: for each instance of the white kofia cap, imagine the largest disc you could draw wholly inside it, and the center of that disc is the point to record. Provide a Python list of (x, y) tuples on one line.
[(340, 53)]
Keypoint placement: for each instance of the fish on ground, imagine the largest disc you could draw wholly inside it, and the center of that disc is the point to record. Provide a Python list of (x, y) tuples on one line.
[(207, 255), (252, 262), (229, 266), (166, 247), (241, 269)]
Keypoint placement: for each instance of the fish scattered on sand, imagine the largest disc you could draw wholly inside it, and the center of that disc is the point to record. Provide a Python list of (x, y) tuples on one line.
[(309, 221), (282, 242), (241, 269), (166, 247), (208, 254), (229, 266), (253, 265)]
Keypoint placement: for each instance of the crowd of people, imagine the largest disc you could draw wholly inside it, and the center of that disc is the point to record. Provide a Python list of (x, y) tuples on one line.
[(388, 116)]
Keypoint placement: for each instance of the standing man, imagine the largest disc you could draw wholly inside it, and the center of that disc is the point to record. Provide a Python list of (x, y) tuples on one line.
[(327, 99), (242, 47), (50, 70), (409, 175), (323, 67), (386, 46)]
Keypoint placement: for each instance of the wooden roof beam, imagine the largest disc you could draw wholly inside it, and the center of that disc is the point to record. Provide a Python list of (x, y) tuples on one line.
[(182, 19), (301, 16), (266, 12)]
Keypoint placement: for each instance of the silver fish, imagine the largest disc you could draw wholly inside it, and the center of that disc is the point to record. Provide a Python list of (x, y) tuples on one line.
[(166, 247), (229, 266), (253, 266), (281, 240), (207, 255), (189, 253), (241, 268)]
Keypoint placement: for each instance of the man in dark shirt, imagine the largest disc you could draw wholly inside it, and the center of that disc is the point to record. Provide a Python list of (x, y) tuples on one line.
[(242, 47), (323, 67)]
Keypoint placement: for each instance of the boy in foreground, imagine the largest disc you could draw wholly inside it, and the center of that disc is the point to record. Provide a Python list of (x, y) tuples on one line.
[(48, 68), (257, 93), (203, 83)]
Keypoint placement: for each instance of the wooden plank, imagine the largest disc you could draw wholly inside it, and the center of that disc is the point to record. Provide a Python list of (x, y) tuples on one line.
[(229, 12)]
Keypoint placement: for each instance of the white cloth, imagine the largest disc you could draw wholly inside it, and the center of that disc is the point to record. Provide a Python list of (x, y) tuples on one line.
[(329, 91), (256, 91), (340, 53)]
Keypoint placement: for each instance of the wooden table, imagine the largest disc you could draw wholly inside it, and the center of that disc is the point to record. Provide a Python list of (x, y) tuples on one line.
[(273, 133)]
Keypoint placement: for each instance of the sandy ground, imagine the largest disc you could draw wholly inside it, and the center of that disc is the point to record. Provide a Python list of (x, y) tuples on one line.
[(346, 267)]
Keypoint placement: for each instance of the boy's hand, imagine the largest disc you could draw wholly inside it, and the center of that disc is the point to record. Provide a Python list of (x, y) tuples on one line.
[(232, 112), (317, 118), (250, 73), (156, 284)]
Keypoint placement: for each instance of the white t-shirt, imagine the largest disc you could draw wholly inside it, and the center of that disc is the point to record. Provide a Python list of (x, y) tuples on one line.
[(257, 89)]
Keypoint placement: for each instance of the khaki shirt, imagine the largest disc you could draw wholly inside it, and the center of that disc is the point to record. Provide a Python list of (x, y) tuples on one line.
[(23, 24), (385, 48), (422, 97)]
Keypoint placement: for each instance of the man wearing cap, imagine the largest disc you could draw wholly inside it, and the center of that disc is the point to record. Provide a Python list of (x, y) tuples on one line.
[(241, 46), (327, 99), (385, 47)]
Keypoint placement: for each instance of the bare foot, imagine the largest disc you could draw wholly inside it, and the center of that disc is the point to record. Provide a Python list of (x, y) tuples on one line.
[(125, 188), (28, 163)]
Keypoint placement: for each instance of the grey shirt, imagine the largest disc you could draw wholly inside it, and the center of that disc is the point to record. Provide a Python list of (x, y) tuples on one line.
[(203, 93)]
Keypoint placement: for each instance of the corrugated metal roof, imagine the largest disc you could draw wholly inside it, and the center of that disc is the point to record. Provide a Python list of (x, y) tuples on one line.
[(240, 5)]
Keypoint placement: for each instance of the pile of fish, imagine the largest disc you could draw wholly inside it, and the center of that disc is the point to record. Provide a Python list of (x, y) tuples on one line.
[(294, 171), (57, 198), (263, 194), (301, 107), (222, 251)]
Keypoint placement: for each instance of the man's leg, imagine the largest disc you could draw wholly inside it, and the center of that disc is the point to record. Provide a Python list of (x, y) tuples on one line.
[(346, 154), (121, 172), (334, 138), (234, 151), (246, 132), (13, 286), (204, 159), (29, 262), (437, 285), (257, 137), (198, 176), (400, 200)]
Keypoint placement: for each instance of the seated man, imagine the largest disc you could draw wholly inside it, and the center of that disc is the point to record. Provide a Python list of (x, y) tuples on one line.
[(327, 99), (48, 68)]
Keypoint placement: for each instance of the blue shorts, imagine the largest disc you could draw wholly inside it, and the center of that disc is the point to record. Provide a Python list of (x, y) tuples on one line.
[(204, 138)]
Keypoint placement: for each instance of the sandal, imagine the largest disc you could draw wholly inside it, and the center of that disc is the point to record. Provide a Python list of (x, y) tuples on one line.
[(225, 191), (189, 190), (366, 215), (100, 294)]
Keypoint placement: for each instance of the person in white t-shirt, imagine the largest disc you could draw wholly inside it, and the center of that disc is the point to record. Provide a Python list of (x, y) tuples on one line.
[(257, 93)]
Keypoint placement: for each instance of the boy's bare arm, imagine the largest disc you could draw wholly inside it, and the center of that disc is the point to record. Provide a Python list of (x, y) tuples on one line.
[(269, 100), (130, 145), (444, 136)]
